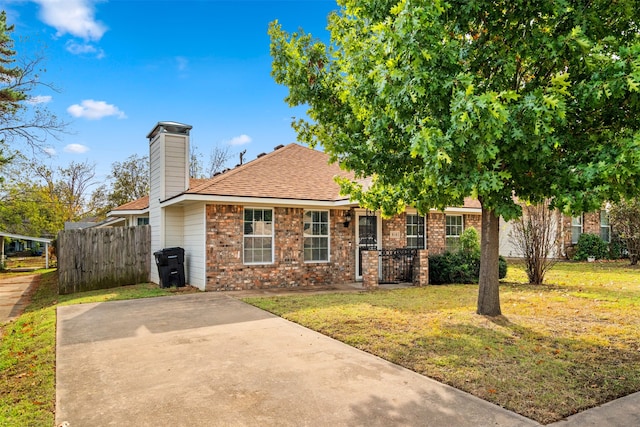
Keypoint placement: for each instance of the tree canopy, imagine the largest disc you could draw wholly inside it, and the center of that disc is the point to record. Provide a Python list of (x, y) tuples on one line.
[(438, 101)]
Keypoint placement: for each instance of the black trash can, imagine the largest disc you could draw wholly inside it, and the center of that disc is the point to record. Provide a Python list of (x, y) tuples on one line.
[(170, 262)]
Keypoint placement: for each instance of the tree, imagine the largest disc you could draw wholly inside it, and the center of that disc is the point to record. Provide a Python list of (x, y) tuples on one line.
[(535, 236), (218, 158), (196, 170), (437, 101), (130, 180), (73, 183), (625, 221), (22, 118)]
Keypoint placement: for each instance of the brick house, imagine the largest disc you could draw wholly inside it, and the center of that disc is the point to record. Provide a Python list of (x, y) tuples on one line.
[(276, 221)]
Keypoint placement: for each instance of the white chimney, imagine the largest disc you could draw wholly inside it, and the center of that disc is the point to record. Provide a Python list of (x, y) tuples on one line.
[(168, 176)]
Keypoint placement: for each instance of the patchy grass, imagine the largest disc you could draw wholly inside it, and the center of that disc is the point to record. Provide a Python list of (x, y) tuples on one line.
[(27, 350), (557, 350)]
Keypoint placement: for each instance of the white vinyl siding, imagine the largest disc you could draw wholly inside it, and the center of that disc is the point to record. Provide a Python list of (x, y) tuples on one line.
[(155, 193), (258, 236), (194, 244), (176, 174), (173, 224), (316, 236)]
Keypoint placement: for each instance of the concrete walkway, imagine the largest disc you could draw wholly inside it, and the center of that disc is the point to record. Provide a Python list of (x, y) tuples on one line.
[(14, 295)]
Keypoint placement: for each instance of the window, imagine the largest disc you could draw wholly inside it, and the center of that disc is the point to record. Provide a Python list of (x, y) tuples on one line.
[(415, 231), (316, 235), (605, 226), (576, 228), (258, 236), (453, 230), (143, 221)]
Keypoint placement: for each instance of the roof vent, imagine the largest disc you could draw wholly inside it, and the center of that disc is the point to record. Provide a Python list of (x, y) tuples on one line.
[(277, 147), (261, 154)]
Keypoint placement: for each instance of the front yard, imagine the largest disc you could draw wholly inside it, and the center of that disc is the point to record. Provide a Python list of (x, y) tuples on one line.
[(557, 350)]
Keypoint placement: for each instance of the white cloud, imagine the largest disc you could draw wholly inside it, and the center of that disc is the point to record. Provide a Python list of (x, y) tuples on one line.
[(76, 148), (83, 49), (40, 99), (95, 110), (50, 151), (75, 17), (182, 63), (239, 140)]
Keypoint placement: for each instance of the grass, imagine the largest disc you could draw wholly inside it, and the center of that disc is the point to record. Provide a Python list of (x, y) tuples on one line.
[(27, 350), (558, 349)]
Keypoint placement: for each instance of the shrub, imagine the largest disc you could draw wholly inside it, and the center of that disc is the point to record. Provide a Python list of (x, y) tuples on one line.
[(591, 245), (459, 267), (470, 242)]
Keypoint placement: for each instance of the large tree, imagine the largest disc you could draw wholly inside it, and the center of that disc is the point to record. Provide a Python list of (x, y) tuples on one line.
[(439, 100)]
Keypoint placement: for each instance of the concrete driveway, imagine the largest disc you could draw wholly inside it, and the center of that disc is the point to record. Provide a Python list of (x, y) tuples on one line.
[(209, 359), (14, 295)]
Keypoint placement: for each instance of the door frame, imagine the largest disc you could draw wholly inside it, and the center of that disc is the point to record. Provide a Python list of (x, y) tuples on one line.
[(359, 212)]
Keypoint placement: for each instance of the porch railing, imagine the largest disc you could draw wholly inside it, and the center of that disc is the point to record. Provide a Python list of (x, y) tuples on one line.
[(396, 265)]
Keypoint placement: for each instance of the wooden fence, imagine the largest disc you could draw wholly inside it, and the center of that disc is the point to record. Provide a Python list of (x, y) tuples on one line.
[(101, 258)]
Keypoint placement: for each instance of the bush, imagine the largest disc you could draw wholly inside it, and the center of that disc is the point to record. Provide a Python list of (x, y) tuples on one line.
[(470, 242), (459, 267), (591, 245)]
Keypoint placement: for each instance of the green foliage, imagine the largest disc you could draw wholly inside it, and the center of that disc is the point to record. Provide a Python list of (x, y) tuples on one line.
[(438, 101), (591, 245), (470, 242), (625, 221), (459, 267)]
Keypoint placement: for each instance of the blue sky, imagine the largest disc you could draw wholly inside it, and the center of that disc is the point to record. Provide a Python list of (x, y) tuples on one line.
[(123, 65)]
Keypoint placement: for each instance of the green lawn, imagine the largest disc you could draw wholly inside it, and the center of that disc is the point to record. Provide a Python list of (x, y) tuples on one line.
[(558, 349), (27, 350)]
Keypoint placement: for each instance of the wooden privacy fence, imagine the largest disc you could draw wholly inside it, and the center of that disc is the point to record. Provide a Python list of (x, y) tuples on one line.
[(101, 258)]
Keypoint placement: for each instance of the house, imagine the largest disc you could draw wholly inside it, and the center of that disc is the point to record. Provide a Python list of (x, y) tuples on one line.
[(276, 221), (567, 229)]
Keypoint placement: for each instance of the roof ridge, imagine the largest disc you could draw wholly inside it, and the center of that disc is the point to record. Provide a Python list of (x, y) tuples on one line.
[(232, 172)]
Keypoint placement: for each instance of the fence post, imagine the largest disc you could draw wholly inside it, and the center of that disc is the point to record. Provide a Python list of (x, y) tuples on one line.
[(421, 268), (370, 270)]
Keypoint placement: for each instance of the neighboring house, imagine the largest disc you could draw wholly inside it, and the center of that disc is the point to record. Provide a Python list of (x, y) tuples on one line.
[(131, 214), (277, 221), (568, 231)]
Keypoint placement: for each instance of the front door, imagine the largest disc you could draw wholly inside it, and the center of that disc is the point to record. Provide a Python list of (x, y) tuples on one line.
[(367, 237)]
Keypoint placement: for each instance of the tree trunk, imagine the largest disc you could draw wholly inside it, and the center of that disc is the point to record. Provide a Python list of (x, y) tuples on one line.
[(489, 289)]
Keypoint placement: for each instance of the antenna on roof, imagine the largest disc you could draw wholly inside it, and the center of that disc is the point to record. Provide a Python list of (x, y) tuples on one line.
[(242, 153)]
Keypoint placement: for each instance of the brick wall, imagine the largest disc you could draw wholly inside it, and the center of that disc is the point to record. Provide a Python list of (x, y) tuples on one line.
[(394, 232), (590, 224), (436, 232), (225, 268)]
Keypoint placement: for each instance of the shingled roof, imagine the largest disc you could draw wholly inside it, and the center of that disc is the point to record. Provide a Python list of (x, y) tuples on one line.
[(291, 172)]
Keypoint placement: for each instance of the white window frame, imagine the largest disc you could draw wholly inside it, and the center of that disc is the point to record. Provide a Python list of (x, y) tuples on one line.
[(417, 227), (448, 236), (605, 225), (577, 228), (311, 235), (256, 236)]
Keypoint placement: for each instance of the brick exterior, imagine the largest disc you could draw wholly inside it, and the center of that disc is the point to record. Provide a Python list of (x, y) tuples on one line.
[(436, 230), (421, 268), (590, 225), (370, 262), (226, 270)]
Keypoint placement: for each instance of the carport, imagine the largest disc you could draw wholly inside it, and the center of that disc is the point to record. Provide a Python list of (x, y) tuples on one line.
[(46, 242)]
